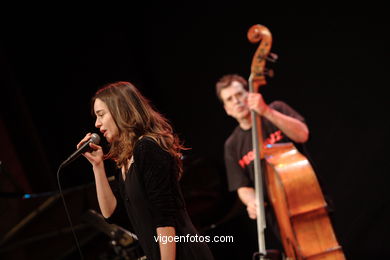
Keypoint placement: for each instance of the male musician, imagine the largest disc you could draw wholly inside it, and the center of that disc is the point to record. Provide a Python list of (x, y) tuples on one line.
[(280, 123)]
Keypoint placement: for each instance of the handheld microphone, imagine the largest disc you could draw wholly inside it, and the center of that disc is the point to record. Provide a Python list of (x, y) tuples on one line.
[(95, 138)]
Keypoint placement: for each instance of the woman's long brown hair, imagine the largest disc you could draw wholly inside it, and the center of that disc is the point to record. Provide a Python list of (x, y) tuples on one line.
[(135, 117)]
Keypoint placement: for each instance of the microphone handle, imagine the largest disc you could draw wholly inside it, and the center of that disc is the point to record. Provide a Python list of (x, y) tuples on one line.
[(83, 148)]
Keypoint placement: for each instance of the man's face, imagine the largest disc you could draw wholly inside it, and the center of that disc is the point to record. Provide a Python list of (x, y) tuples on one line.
[(234, 100)]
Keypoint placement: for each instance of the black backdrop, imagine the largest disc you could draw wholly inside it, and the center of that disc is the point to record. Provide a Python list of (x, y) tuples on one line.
[(331, 69)]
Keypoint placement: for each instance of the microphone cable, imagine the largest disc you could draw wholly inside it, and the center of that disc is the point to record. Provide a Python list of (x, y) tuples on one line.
[(94, 138), (67, 212)]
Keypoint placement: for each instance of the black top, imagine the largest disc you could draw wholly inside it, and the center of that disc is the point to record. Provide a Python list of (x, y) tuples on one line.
[(239, 153), (152, 198)]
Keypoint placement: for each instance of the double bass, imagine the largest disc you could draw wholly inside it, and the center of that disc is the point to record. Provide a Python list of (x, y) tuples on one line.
[(293, 189)]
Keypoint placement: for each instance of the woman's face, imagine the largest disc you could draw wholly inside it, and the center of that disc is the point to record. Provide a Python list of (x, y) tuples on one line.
[(104, 121)]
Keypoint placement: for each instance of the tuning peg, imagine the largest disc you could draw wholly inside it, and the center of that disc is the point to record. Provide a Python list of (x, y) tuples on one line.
[(272, 57), (269, 72), (266, 72)]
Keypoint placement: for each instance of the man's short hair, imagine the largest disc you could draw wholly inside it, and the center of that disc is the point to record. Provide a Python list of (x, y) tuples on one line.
[(226, 80)]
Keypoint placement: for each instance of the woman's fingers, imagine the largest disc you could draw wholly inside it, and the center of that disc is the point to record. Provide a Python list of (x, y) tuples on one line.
[(86, 138), (95, 146)]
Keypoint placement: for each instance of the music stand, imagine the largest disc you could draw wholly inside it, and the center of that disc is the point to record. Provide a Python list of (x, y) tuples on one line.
[(124, 243)]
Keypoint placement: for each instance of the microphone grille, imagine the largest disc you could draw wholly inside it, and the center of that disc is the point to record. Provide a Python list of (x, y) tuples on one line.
[(95, 138)]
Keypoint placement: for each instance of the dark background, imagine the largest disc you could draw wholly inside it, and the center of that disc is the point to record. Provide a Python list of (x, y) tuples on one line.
[(331, 69)]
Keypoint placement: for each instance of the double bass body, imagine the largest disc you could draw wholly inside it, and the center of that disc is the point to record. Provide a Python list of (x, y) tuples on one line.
[(300, 208)]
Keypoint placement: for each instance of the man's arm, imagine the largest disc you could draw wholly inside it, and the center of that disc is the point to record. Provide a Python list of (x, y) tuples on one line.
[(248, 196), (293, 128)]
